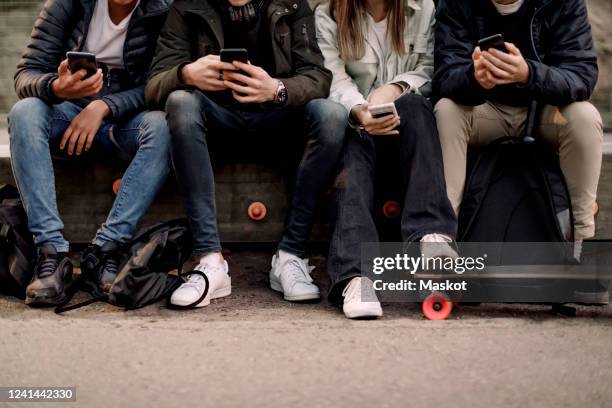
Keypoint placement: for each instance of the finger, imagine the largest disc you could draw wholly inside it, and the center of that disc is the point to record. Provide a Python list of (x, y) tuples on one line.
[(252, 70), (500, 63), (63, 67), (513, 49), (244, 99), (490, 78), (213, 57), (476, 53), (79, 75), (382, 129), (89, 142), (74, 138), (222, 66), (237, 77), (65, 137), (383, 121), (93, 80), (389, 133), (81, 142), (503, 57), (245, 90), (215, 85), (499, 73)]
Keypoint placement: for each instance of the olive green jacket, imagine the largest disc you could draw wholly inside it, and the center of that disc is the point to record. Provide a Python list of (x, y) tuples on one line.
[(193, 29)]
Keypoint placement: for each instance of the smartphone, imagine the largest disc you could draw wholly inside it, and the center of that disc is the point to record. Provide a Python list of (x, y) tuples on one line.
[(495, 41), (82, 60), (384, 109), (234, 54)]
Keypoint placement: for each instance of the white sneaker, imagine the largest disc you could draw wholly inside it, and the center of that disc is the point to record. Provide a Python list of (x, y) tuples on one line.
[(220, 285), (354, 307), (290, 275), (438, 246)]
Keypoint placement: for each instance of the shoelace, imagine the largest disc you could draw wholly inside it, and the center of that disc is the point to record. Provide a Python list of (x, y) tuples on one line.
[(111, 264), (197, 281), (299, 271), (47, 267)]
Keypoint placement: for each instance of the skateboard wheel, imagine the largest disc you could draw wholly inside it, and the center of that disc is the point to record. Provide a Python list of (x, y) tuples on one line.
[(257, 211), (116, 186), (391, 209), (437, 306)]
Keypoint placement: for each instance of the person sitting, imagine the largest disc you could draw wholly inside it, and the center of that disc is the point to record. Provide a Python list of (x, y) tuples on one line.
[(64, 111), (381, 51), (485, 94), (277, 97)]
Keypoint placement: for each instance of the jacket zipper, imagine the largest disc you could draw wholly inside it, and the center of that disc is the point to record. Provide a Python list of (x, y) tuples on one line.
[(306, 38), (531, 32)]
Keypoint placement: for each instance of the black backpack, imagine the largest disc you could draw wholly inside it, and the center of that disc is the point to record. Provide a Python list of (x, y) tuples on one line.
[(17, 250), (515, 192), (144, 277)]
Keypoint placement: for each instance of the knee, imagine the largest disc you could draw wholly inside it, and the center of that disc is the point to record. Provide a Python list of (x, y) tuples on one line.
[(331, 120), (451, 119), (181, 102), (24, 116), (155, 130), (583, 122), (410, 104)]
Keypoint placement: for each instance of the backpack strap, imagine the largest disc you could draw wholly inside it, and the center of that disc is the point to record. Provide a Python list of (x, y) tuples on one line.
[(66, 307), (194, 304)]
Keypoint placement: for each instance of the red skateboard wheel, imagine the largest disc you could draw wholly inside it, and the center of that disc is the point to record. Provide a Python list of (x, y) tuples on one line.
[(257, 211), (391, 209), (437, 306), (116, 186)]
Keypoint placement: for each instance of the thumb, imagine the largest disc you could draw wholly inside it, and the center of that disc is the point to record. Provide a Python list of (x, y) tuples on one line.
[(63, 67), (513, 49)]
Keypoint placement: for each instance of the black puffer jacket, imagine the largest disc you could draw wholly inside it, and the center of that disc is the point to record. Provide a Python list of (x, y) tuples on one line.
[(63, 25), (563, 71)]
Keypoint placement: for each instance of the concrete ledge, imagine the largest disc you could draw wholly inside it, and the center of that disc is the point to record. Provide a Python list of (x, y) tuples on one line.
[(85, 196)]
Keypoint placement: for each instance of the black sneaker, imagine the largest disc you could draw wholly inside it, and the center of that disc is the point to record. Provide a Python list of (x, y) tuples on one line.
[(99, 267), (52, 282)]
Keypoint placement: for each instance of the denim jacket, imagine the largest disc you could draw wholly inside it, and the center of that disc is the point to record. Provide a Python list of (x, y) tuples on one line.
[(353, 81)]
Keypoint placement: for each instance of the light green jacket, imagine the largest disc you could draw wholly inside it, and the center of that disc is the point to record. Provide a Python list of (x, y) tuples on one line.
[(353, 81)]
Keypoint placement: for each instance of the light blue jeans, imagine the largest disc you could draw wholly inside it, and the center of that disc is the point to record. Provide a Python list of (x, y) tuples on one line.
[(36, 127)]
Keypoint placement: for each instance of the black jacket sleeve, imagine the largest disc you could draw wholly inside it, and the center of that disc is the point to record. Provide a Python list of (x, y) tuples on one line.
[(454, 69), (569, 71), (125, 103), (310, 78), (46, 49)]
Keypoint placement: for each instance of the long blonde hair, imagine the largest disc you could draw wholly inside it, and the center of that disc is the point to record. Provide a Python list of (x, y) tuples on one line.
[(348, 15)]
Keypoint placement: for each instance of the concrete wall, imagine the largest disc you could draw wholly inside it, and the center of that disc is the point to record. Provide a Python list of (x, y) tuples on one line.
[(17, 18)]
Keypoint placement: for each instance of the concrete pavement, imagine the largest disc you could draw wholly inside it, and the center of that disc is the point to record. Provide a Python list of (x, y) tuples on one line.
[(253, 349)]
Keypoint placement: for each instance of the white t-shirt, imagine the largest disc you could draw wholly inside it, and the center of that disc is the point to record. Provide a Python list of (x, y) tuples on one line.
[(505, 9), (104, 38), (380, 32)]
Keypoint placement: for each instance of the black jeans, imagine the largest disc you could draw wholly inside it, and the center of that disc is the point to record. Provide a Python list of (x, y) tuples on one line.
[(425, 205), (196, 121)]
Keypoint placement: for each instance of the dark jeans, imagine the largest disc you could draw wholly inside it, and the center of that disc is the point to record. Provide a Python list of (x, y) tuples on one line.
[(425, 206), (196, 121)]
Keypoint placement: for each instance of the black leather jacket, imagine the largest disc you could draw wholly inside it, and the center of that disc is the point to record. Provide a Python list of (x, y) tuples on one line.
[(63, 25), (564, 70)]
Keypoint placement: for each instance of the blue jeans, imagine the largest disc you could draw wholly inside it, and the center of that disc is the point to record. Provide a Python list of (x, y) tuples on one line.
[(196, 121), (36, 127)]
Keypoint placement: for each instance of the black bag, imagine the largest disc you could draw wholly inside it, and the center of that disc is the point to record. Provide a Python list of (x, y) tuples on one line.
[(17, 249), (144, 277), (515, 192)]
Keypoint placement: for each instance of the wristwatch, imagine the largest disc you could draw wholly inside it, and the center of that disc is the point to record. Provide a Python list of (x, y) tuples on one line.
[(280, 97)]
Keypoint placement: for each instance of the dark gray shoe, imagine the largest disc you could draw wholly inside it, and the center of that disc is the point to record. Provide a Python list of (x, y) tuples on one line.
[(99, 267), (52, 282)]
